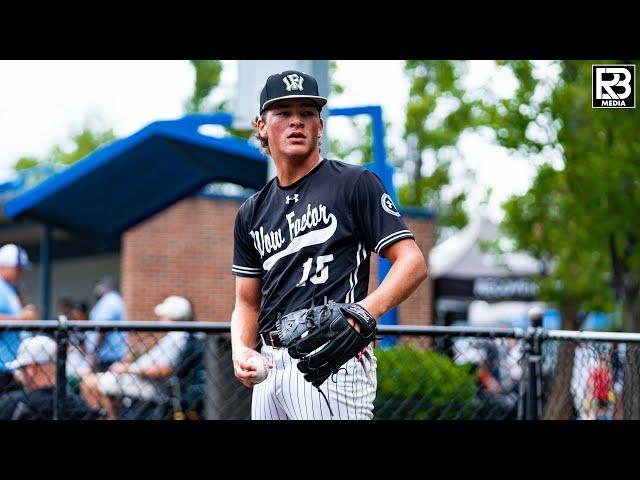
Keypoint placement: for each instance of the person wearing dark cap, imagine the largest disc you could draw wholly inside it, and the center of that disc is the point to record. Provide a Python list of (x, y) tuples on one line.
[(13, 262), (307, 235), (106, 348)]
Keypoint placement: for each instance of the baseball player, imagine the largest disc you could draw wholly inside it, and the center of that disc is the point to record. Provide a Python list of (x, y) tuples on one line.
[(304, 239)]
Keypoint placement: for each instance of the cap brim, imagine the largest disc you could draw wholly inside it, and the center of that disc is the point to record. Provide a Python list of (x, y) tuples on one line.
[(321, 101), (14, 364)]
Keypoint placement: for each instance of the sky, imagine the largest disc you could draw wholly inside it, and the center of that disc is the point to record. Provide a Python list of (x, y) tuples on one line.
[(43, 102)]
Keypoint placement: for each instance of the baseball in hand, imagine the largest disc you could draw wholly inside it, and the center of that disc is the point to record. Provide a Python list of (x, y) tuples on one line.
[(262, 369)]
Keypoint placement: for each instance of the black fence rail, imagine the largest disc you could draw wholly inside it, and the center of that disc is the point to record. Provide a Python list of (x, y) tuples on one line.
[(183, 370)]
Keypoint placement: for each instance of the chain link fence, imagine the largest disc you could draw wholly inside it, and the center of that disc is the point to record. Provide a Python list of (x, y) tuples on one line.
[(183, 371)]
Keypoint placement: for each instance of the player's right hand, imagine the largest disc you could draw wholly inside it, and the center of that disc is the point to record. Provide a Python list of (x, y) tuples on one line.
[(245, 371)]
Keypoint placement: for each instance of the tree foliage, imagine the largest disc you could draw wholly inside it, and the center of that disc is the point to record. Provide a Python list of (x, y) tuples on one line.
[(578, 216), (207, 78), (439, 111), (81, 144)]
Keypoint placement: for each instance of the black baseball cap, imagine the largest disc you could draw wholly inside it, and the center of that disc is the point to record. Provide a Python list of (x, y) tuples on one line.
[(290, 84)]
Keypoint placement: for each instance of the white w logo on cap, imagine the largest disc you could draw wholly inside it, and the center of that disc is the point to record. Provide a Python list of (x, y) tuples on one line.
[(293, 82)]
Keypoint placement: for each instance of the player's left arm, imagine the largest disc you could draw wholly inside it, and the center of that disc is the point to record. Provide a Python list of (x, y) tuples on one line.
[(408, 270)]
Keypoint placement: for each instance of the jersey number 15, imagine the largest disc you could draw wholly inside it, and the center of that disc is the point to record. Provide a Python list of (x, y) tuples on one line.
[(322, 270)]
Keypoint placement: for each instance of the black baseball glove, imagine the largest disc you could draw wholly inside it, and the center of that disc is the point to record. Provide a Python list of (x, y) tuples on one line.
[(325, 331)]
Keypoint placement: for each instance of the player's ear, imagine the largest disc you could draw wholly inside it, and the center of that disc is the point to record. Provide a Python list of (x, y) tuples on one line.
[(262, 127), (321, 128)]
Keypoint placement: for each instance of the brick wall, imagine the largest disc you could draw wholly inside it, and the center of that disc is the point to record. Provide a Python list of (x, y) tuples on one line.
[(187, 250), (417, 309), (184, 250)]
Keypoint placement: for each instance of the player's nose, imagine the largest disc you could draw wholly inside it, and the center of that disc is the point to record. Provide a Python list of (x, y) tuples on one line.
[(296, 120)]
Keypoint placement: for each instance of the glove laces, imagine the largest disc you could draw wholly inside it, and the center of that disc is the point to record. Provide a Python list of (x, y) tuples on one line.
[(326, 400)]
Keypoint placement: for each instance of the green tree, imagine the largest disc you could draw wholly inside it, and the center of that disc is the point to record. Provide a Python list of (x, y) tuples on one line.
[(577, 216), (207, 78), (438, 112), (81, 144)]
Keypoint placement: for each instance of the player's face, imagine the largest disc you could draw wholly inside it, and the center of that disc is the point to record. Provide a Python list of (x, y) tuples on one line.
[(293, 128)]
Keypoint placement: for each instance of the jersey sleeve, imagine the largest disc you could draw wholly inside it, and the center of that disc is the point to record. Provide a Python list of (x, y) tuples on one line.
[(375, 214), (246, 262)]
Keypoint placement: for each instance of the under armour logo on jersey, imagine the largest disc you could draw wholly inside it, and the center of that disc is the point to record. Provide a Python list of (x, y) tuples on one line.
[(293, 82), (295, 198)]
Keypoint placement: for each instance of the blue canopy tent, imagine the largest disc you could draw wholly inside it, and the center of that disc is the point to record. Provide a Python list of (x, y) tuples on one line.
[(127, 181)]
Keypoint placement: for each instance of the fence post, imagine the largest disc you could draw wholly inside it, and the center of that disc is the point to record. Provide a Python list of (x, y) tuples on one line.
[(533, 405), (62, 339)]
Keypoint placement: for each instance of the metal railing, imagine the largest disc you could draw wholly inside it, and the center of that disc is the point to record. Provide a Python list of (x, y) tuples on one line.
[(184, 371)]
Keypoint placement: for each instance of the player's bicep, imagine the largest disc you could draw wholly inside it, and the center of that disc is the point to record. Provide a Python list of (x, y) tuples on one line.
[(248, 293), (406, 247)]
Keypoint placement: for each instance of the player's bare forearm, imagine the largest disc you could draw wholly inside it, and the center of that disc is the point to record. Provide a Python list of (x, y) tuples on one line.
[(408, 270), (244, 319), (244, 327)]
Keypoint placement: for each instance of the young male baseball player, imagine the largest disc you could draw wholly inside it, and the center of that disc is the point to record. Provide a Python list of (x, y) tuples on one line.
[(305, 238)]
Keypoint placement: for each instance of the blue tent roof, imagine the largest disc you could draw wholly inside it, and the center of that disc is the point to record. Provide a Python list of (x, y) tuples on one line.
[(129, 180)]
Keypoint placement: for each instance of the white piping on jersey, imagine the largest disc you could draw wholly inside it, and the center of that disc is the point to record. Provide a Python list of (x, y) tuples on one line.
[(305, 240), (250, 269), (246, 270), (353, 276), (390, 238)]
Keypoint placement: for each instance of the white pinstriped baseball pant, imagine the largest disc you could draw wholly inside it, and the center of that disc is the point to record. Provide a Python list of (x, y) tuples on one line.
[(286, 395)]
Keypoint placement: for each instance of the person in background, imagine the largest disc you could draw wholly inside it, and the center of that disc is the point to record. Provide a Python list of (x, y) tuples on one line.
[(139, 377), (106, 348), (64, 307), (78, 364), (13, 262), (35, 369), (79, 311)]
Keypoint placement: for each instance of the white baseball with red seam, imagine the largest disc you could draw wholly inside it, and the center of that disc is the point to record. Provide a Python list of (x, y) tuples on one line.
[(262, 369)]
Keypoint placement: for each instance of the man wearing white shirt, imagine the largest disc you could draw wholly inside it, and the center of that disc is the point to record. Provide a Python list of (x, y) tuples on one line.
[(138, 378)]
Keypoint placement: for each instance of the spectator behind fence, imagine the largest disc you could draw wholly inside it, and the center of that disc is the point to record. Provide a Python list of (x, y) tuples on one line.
[(65, 305), (106, 348), (35, 369), (78, 363), (13, 262), (141, 378)]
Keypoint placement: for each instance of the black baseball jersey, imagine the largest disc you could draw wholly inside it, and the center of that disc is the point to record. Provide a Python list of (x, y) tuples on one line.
[(313, 238)]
